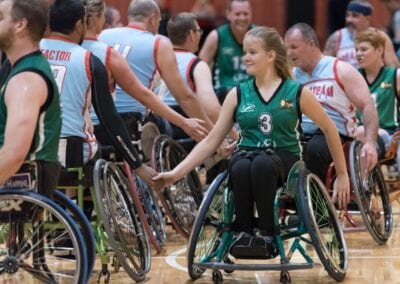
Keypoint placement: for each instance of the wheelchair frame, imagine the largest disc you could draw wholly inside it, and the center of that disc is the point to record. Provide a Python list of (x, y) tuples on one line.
[(302, 186)]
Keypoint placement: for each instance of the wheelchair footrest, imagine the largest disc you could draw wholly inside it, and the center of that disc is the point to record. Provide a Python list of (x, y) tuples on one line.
[(255, 267), (246, 246)]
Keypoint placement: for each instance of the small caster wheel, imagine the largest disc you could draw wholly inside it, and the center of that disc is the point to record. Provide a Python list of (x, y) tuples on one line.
[(104, 275), (217, 277), (228, 261), (285, 277), (116, 264)]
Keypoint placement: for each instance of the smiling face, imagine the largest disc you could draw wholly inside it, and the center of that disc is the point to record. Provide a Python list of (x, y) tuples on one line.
[(256, 58), (239, 15)]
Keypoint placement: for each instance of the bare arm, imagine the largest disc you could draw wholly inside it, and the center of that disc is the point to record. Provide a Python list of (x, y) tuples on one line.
[(311, 108), (209, 49), (331, 43), (206, 147), (169, 72), (26, 91), (205, 93), (390, 57), (357, 90), (128, 81)]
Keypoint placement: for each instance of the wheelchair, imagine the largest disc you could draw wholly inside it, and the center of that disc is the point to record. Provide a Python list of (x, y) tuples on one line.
[(38, 237), (182, 199), (113, 203), (152, 217), (316, 225), (391, 170), (368, 193)]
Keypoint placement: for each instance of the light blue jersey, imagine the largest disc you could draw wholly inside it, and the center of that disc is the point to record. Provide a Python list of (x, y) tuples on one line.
[(186, 63), (103, 52), (70, 65), (326, 86), (139, 48)]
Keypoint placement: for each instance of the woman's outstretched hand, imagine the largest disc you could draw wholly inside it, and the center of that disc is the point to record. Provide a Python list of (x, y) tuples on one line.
[(162, 180)]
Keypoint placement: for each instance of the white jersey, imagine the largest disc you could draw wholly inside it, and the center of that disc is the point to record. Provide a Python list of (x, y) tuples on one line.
[(345, 48), (326, 86)]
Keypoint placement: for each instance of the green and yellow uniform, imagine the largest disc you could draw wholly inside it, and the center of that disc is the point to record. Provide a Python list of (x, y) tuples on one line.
[(274, 124)]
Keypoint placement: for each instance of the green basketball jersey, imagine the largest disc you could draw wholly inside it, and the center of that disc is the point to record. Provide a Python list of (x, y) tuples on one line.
[(272, 124), (228, 69), (384, 93), (44, 145)]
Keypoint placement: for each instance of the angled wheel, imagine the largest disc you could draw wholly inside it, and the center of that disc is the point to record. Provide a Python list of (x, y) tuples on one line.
[(209, 226), (120, 220), (322, 224), (148, 209), (38, 240), (152, 210), (371, 196), (182, 199), (84, 226)]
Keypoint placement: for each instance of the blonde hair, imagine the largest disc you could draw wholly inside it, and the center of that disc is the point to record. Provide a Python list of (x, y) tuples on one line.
[(272, 41), (94, 8)]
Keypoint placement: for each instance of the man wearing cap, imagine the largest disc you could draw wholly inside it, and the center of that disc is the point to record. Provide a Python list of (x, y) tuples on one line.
[(341, 43)]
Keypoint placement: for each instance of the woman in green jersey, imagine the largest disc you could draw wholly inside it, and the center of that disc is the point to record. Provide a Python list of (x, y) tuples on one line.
[(384, 85), (268, 110)]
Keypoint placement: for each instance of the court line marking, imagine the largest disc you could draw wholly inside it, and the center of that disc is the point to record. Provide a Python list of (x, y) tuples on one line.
[(171, 259)]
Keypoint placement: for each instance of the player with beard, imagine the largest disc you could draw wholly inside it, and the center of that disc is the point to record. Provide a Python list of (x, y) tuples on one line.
[(341, 43)]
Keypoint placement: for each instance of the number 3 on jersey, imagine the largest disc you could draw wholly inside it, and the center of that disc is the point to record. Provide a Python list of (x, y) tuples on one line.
[(265, 123)]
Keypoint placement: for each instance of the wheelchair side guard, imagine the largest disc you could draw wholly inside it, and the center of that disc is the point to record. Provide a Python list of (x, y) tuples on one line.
[(292, 178)]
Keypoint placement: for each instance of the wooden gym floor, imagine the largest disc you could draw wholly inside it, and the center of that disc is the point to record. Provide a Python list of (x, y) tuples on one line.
[(368, 263)]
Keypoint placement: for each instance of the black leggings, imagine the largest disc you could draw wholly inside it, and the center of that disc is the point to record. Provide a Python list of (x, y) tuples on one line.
[(255, 179)]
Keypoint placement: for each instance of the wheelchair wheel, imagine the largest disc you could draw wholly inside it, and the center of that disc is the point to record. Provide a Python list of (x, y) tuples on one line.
[(182, 199), (322, 224), (208, 226), (371, 196), (152, 210), (39, 240), (121, 221), (150, 216), (83, 224)]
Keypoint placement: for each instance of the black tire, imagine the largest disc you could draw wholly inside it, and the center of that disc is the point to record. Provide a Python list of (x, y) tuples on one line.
[(322, 224), (83, 223), (208, 226), (39, 240), (121, 221), (371, 196), (138, 197), (152, 210), (181, 199)]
